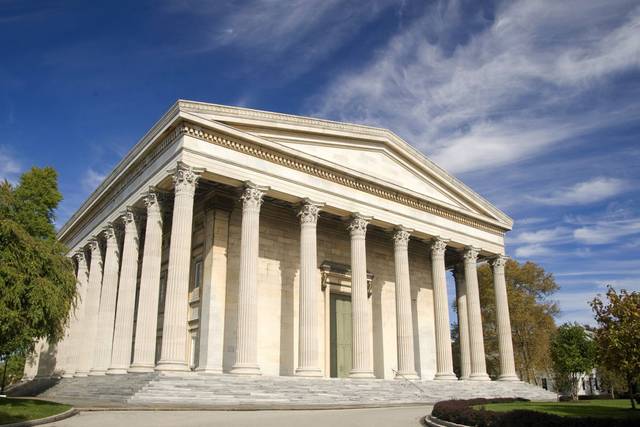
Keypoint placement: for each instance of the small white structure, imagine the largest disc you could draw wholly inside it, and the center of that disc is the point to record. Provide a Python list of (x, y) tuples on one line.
[(248, 242)]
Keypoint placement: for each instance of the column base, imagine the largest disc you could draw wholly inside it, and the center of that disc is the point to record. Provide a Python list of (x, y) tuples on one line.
[(508, 378), (406, 375), (479, 377), (308, 372), (361, 374), (67, 375), (172, 367), (209, 371), (80, 374), (463, 379), (245, 370), (141, 368), (445, 377), (97, 373), (116, 371)]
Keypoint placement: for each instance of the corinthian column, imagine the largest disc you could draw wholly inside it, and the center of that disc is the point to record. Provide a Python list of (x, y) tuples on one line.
[(144, 352), (404, 319), (463, 322), (360, 308), (123, 333), (476, 340), (174, 355), (444, 359), (90, 327), (247, 337), (76, 321), (308, 352), (505, 345), (107, 311)]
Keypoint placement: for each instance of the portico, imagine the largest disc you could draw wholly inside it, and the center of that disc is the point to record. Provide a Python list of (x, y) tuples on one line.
[(217, 243)]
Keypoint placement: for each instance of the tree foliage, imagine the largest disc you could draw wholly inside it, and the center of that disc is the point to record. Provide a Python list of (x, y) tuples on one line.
[(572, 354), (37, 282), (529, 288), (618, 334)]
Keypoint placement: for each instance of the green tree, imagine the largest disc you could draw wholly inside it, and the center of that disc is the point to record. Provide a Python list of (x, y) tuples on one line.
[(532, 313), (572, 354), (618, 335), (37, 282)]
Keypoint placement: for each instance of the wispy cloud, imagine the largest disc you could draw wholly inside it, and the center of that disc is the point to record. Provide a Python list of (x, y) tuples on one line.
[(92, 179), (549, 235), (9, 165), (594, 190), (509, 93), (604, 232)]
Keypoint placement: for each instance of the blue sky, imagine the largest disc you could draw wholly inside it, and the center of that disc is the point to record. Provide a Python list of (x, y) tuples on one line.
[(534, 104)]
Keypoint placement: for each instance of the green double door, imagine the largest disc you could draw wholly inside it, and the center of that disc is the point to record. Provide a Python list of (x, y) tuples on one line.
[(340, 319)]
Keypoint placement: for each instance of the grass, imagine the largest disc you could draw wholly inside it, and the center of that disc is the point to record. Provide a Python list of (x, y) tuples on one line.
[(618, 408), (16, 410)]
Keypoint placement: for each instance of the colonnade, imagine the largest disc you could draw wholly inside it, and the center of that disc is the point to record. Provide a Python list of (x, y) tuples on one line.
[(103, 323)]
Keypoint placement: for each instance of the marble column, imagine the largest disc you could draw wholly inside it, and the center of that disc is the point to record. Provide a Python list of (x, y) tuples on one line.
[(444, 358), (247, 336), (476, 340), (404, 317), (107, 310), (90, 327), (362, 366), (76, 318), (123, 332), (173, 356), (308, 330), (463, 322), (144, 351), (212, 308), (505, 345)]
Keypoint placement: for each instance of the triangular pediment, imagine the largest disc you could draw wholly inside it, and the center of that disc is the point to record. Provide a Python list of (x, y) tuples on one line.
[(369, 153)]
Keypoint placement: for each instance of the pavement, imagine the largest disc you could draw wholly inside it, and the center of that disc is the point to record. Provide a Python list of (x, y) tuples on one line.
[(372, 417)]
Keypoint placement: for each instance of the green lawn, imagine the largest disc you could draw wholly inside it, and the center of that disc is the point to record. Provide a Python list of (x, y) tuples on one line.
[(14, 410), (618, 408)]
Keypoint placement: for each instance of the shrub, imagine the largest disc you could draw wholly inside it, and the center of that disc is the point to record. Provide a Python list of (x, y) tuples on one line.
[(462, 412)]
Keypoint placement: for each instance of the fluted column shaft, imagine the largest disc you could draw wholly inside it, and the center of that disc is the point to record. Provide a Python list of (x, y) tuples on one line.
[(247, 337), (76, 319), (404, 318), (444, 358), (144, 352), (505, 345), (174, 355), (107, 311), (362, 366), (90, 327), (463, 322), (308, 336), (476, 340), (123, 332)]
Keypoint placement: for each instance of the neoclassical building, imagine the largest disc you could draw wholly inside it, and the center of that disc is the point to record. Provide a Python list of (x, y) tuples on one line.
[(237, 241)]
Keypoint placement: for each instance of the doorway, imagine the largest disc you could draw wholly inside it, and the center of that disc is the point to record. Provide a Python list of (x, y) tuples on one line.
[(340, 337)]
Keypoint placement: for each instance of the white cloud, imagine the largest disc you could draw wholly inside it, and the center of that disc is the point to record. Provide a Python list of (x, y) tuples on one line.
[(594, 190), (507, 94), (92, 179), (534, 250), (9, 165), (604, 232), (550, 235)]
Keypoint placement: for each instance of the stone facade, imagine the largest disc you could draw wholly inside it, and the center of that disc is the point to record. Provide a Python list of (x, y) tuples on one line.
[(220, 241)]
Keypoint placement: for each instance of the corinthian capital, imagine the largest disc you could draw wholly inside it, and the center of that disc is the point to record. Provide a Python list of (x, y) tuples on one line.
[(471, 254), (79, 256), (438, 247), (185, 178), (309, 212), (499, 261), (252, 196), (94, 245), (358, 225), (401, 236)]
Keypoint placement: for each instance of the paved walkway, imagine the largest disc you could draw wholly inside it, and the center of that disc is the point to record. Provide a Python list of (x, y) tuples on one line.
[(378, 417)]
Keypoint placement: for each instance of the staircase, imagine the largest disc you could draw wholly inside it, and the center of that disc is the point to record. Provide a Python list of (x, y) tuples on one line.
[(195, 390)]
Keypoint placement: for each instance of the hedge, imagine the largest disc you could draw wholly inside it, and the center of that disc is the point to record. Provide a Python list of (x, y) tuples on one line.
[(462, 412)]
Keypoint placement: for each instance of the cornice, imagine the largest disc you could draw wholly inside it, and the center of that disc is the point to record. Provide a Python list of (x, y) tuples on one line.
[(330, 174)]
